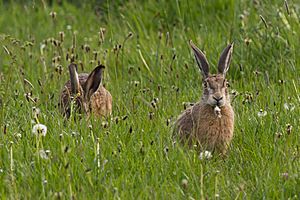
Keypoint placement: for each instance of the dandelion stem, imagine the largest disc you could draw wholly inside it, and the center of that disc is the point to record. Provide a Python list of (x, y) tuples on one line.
[(201, 183)]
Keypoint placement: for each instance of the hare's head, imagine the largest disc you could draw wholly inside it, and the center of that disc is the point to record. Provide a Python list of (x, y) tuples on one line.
[(83, 86), (215, 91)]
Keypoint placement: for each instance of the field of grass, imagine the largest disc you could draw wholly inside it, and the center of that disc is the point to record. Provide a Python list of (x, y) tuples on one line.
[(151, 73)]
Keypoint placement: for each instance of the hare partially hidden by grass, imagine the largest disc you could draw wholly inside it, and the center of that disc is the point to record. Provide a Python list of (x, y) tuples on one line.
[(210, 122), (85, 93)]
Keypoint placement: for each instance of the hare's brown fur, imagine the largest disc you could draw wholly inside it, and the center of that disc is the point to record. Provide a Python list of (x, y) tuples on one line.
[(99, 102), (199, 123)]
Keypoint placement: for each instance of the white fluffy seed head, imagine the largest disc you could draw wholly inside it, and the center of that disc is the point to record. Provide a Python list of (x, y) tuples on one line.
[(39, 129)]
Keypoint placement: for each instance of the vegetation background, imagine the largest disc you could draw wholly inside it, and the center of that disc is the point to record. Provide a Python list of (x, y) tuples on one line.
[(151, 74)]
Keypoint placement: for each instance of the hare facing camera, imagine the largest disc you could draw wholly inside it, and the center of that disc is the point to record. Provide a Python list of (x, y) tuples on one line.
[(210, 122), (85, 93)]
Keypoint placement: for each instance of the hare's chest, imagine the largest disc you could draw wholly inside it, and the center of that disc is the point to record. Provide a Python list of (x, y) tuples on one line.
[(220, 127), (216, 129)]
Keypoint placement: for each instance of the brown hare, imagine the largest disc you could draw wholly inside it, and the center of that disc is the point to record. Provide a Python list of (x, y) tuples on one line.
[(210, 122), (85, 93)]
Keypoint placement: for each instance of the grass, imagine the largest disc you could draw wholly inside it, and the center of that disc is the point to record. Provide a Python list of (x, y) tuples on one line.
[(134, 155)]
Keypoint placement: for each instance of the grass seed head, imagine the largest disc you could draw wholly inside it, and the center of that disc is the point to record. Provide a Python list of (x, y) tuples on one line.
[(289, 128), (53, 14)]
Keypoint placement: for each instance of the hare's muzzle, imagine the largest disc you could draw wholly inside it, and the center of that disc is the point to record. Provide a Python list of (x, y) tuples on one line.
[(218, 100)]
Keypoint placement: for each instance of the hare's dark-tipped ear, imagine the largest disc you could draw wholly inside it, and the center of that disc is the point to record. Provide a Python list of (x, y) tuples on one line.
[(75, 85), (201, 60), (225, 59), (93, 81)]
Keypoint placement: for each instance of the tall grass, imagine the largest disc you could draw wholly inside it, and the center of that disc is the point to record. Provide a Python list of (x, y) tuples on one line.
[(150, 73)]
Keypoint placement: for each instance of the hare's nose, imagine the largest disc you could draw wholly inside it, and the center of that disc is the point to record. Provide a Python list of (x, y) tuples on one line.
[(218, 98)]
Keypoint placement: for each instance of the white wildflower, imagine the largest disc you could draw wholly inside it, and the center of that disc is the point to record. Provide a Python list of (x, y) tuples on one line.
[(205, 155), (39, 129), (69, 27), (289, 106), (262, 113)]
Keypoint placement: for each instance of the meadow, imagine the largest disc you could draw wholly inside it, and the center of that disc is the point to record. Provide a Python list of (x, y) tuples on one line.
[(152, 76)]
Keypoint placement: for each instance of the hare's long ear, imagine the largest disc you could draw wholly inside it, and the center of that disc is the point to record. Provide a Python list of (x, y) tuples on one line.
[(201, 60), (93, 81), (75, 85), (225, 59)]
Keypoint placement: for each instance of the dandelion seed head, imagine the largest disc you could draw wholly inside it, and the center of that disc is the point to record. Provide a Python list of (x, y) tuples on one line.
[(39, 129)]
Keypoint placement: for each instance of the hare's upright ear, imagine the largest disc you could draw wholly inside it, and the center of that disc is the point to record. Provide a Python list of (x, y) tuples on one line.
[(201, 60), (93, 81), (225, 59), (75, 85)]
